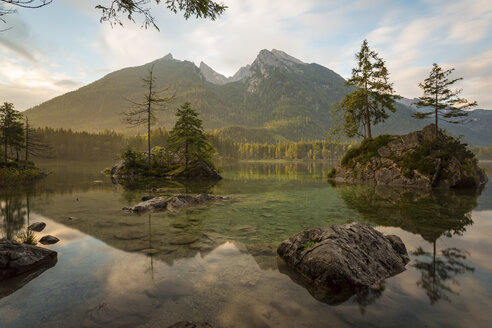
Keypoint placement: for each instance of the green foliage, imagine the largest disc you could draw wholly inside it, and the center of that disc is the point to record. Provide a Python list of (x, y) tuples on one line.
[(130, 8), (445, 103), (365, 151), (424, 157), (11, 130), (372, 95), (19, 175), (309, 244), (27, 237), (332, 172), (187, 140)]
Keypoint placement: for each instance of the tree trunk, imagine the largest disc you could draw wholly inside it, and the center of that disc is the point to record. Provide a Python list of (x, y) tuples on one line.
[(5, 149), (437, 129), (149, 108), (368, 121), (148, 137), (186, 155), (27, 141)]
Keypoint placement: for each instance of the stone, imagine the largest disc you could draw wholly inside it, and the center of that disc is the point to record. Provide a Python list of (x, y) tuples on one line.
[(188, 324), (149, 251), (384, 152), (17, 258), (174, 202), (148, 197), (37, 226), (129, 235), (157, 203), (344, 256), (136, 245), (49, 240), (184, 239), (179, 224)]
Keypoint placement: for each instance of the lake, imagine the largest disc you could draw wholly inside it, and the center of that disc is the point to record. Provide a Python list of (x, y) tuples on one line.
[(218, 263)]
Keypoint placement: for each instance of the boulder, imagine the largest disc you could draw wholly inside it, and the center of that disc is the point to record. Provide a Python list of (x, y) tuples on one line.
[(17, 258), (173, 203), (154, 204), (48, 240), (37, 226), (344, 257)]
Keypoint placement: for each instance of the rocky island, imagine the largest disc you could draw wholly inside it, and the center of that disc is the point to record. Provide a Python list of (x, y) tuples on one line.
[(417, 159)]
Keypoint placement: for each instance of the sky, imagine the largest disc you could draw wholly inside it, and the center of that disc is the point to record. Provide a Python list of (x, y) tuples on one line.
[(63, 46)]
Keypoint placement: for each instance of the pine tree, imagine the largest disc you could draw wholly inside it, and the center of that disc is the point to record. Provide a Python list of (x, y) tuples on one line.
[(143, 113), (33, 144), (188, 140), (11, 128), (446, 104), (366, 105)]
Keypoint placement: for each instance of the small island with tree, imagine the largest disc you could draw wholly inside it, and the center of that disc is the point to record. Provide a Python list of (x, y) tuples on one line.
[(187, 153), (426, 158)]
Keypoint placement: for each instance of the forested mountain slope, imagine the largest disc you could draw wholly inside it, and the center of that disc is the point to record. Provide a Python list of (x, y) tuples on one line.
[(277, 97)]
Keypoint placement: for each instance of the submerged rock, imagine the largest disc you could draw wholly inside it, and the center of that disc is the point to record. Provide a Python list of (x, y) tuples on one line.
[(37, 226), (48, 240), (173, 203), (147, 197), (188, 324), (17, 258), (417, 159), (344, 257)]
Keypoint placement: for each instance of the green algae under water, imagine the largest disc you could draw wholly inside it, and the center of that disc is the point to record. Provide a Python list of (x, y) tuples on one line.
[(218, 263)]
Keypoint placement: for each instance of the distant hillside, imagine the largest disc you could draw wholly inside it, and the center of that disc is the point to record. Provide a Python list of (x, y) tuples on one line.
[(277, 97)]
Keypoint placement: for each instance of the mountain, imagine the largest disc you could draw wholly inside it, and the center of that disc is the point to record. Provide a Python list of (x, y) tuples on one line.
[(277, 97)]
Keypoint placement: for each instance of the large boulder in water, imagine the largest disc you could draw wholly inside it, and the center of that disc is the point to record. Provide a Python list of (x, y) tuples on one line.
[(419, 159), (344, 257), (17, 258)]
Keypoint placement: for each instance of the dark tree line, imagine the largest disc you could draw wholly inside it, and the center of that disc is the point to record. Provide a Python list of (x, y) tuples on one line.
[(18, 138)]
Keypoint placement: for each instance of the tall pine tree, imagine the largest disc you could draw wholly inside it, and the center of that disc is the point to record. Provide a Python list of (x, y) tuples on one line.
[(445, 103), (366, 105), (188, 140)]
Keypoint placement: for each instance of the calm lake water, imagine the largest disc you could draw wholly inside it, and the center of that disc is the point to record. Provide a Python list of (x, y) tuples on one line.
[(117, 269)]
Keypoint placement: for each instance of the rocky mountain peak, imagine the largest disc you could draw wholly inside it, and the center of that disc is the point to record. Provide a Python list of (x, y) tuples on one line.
[(275, 58), (212, 76)]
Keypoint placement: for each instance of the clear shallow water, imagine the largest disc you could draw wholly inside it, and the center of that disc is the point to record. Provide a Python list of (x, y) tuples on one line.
[(230, 275)]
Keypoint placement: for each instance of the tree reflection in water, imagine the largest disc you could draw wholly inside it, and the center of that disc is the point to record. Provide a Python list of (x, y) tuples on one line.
[(437, 270), (13, 213), (430, 213)]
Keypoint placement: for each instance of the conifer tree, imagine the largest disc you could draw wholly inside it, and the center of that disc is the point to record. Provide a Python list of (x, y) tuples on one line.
[(366, 105), (33, 144), (188, 140), (11, 128), (445, 103), (143, 113)]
